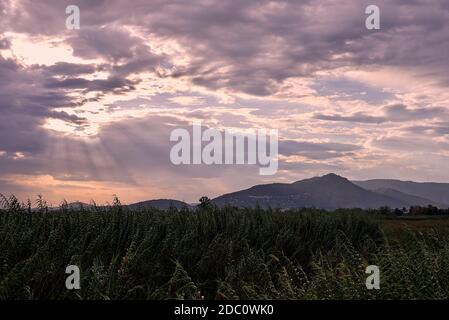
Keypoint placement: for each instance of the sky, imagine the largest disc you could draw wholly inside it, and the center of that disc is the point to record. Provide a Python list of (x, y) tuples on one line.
[(87, 113)]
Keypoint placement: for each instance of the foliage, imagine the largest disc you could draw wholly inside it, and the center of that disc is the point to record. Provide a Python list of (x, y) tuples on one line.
[(211, 253)]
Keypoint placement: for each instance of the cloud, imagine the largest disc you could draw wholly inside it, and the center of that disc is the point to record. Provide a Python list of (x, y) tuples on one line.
[(392, 113), (400, 112), (25, 105), (345, 89), (356, 117), (4, 43), (404, 143), (111, 84), (281, 39), (315, 150), (436, 129), (187, 100), (136, 70), (70, 69)]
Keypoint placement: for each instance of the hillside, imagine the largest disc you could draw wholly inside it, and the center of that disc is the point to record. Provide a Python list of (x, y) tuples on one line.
[(436, 192), (327, 192), (162, 204)]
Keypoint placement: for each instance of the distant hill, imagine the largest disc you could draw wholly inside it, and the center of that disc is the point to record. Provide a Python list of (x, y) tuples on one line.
[(407, 198), (327, 192), (436, 192), (162, 204), (78, 205)]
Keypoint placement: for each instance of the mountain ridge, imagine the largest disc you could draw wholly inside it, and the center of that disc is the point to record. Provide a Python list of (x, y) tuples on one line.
[(434, 191), (159, 204), (330, 191)]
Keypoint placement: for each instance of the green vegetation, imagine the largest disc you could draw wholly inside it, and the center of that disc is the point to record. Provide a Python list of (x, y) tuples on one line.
[(215, 254)]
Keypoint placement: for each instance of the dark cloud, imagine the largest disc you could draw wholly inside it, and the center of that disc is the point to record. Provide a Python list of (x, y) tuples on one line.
[(62, 115), (346, 89), (313, 168), (281, 39), (26, 103), (123, 152), (24, 107), (436, 129), (356, 117), (4, 43), (70, 69), (113, 44), (316, 151), (22, 133), (404, 143), (400, 112), (112, 84), (392, 113)]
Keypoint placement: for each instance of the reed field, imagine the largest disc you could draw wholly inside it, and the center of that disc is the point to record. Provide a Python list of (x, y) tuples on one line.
[(216, 253)]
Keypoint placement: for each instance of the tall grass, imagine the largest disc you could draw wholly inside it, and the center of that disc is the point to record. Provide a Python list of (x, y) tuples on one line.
[(415, 268), (211, 253)]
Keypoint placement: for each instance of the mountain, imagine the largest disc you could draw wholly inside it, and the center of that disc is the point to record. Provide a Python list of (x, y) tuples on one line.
[(327, 192), (162, 204), (407, 198), (436, 192), (78, 205)]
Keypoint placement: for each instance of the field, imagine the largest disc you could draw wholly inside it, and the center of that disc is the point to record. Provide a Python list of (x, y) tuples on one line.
[(421, 223), (223, 253)]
